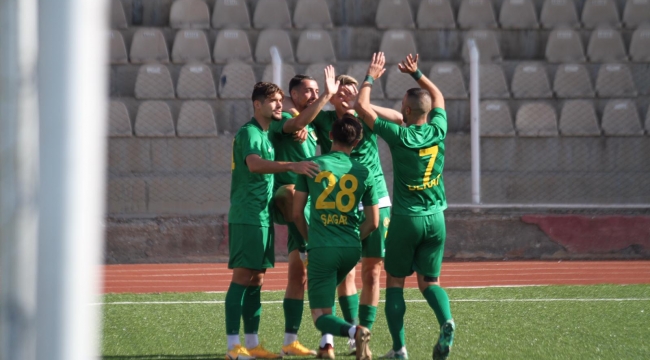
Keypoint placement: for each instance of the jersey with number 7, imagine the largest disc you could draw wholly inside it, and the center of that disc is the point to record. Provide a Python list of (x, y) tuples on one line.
[(335, 195), (418, 153)]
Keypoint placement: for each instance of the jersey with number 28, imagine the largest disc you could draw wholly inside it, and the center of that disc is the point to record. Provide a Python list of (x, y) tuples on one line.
[(335, 195), (418, 153)]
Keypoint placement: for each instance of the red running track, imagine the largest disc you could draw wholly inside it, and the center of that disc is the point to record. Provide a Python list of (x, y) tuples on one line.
[(216, 277)]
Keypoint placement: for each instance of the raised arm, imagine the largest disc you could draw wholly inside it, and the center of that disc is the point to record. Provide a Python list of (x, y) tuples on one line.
[(389, 114), (410, 66), (309, 114), (258, 165), (363, 107)]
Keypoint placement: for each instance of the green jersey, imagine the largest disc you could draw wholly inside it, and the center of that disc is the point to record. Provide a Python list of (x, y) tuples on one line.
[(250, 193), (366, 152), (335, 195), (418, 158), (287, 149)]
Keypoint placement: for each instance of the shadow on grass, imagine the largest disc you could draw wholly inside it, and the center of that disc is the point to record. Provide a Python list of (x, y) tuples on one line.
[(185, 357)]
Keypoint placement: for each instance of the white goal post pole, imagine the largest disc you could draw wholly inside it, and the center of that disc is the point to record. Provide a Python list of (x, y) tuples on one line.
[(18, 178), (73, 69), (475, 125)]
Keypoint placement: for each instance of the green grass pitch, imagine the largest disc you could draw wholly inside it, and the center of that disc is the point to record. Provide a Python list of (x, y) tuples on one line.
[(547, 322)]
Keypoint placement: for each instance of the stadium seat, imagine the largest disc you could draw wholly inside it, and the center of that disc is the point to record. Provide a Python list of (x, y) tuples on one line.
[(154, 119), (640, 44), (487, 44), (476, 14), (119, 121), (196, 82), (191, 45), (496, 119), (358, 71), (118, 19), (636, 13), (273, 37), (606, 44), (287, 73), (236, 81), (572, 81), (315, 46), (196, 119), (271, 14), (394, 14), (232, 45), (148, 45), (317, 71), (435, 14), (312, 14), (396, 44), (536, 119), (578, 118), (449, 79), (154, 82), (600, 12), (530, 81), (117, 48), (559, 13), (621, 118), (564, 45), (615, 80), (492, 82), (518, 14), (397, 83), (231, 14), (189, 14)]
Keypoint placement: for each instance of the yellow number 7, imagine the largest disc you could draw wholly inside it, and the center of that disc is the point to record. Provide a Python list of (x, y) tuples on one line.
[(433, 151)]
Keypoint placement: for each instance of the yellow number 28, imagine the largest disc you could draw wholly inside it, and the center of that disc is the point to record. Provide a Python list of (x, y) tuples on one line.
[(347, 186)]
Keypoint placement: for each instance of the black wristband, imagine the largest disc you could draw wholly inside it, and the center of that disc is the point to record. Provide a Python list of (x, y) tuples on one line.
[(369, 79), (416, 75)]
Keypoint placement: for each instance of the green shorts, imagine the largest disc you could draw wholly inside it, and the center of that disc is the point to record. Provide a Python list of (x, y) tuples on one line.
[(417, 243), (328, 267), (295, 241), (374, 246), (251, 246)]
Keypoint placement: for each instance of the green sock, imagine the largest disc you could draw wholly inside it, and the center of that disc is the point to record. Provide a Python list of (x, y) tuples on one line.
[(292, 315), (252, 309), (367, 314), (234, 298), (330, 324), (350, 307), (439, 302), (395, 310)]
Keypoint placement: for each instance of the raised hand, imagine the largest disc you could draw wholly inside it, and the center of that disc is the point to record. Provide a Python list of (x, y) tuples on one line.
[(376, 68), (308, 168), (348, 95), (301, 135), (331, 85), (409, 65)]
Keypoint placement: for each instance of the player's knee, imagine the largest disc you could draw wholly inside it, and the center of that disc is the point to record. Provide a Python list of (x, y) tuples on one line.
[(298, 275), (371, 275)]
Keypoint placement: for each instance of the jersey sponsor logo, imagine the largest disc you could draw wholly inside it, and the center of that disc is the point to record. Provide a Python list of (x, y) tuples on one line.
[(334, 219), (313, 135)]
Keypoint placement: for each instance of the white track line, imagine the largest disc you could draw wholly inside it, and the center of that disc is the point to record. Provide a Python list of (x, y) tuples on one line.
[(219, 302)]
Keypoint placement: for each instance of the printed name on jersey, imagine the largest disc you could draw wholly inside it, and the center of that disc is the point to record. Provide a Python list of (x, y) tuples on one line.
[(429, 185), (334, 219)]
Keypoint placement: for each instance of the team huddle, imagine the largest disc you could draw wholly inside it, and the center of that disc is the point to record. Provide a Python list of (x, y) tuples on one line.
[(338, 211)]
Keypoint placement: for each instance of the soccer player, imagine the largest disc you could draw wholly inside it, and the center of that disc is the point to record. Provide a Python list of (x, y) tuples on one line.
[(416, 236), (250, 227), (304, 93), (336, 229)]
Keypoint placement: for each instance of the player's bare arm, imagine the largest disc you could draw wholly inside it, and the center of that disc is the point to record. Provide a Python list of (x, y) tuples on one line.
[(371, 223), (363, 107), (410, 66), (299, 203), (260, 166), (350, 93), (309, 114)]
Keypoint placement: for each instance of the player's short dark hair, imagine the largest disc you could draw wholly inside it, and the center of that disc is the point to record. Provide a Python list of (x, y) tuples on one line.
[(264, 90), (297, 80), (346, 130), (419, 100)]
